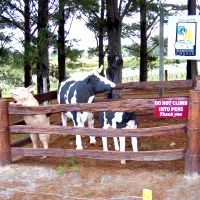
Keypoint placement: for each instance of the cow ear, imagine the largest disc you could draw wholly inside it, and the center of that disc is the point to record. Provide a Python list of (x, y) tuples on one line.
[(30, 88)]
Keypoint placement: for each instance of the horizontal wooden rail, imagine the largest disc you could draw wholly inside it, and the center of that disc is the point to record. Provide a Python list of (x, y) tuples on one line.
[(162, 155), (139, 132), (157, 84), (186, 84), (137, 105), (122, 105), (46, 96)]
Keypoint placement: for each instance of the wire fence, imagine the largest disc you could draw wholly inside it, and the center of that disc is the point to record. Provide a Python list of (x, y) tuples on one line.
[(154, 77), (61, 196)]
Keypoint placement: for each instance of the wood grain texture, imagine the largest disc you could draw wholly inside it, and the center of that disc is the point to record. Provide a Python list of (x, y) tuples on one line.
[(140, 132), (5, 151), (162, 155), (192, 161)]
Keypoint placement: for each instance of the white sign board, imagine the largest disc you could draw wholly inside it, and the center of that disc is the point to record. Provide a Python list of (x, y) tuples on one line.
[(184, 37)]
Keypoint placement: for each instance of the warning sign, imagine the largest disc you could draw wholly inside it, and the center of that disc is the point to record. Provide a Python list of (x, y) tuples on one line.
[(171, 107)]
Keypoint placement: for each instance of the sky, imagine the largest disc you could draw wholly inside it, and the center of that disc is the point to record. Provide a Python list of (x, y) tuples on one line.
[(86, 37), (80, 31)]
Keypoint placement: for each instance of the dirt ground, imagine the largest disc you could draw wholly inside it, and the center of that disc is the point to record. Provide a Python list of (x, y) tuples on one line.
[(37, 178)]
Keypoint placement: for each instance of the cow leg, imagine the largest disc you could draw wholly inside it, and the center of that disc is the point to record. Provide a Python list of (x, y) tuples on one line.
[(105, 143), (104, 139), (116, 143), (44, 138), (91, 125), (122, 148), (134, 144), (79, 145), (78, 142), (64, 118), (34, 139)]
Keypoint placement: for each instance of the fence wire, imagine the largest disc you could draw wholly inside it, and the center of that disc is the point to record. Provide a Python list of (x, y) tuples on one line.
[(60, 196)]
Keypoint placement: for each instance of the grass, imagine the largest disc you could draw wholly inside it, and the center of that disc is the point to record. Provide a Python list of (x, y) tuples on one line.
[(145, 147), (71, 161), (60, 170), (69, 166), (86, 64), (90, 194), (75, 168)]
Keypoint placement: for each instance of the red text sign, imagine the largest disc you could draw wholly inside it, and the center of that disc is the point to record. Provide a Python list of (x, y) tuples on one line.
[(171, 107)]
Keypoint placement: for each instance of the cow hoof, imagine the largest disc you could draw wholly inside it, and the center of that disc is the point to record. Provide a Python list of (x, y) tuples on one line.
[(44, 157), (93, 143), (79, 148), (123, 162), (92, 140), (105, 149)]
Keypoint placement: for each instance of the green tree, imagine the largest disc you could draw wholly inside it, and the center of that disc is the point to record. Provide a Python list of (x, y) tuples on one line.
[(61, 40), (42, 48), (143, 31), (191, 68), (16, 16), (27, 45), (143, 40), (93, 12), (115, 14)]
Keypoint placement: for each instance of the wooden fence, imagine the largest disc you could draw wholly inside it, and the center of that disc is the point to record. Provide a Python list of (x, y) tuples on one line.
[(191, 153)]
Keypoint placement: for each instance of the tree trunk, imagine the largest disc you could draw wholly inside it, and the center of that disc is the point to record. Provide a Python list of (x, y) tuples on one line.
[(27, 45), (115, 61), (191, 68), (42, 45), (143, 44), (61, 41), (101, 34)]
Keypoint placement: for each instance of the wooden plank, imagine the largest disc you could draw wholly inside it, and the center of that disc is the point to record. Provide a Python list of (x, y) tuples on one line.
[(46, 96), (136, 105), (140, 132), (123, 105), (5, 151), (163, 155), (156, 85), (186, 84), (192, 161)]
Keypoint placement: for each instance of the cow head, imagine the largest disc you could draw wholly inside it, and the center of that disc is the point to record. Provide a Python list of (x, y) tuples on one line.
[(98, 82), (22, 94)]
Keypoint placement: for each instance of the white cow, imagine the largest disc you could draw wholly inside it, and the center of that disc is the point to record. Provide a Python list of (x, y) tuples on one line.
[(72, 91), (23, 96), (124, 120)]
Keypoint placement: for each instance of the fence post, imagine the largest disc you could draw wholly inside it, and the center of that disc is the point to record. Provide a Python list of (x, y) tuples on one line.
[(192, 156), (5, 150)]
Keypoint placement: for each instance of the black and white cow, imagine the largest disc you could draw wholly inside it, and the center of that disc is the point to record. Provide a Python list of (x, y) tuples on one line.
[(126, 120), (82, 91)]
